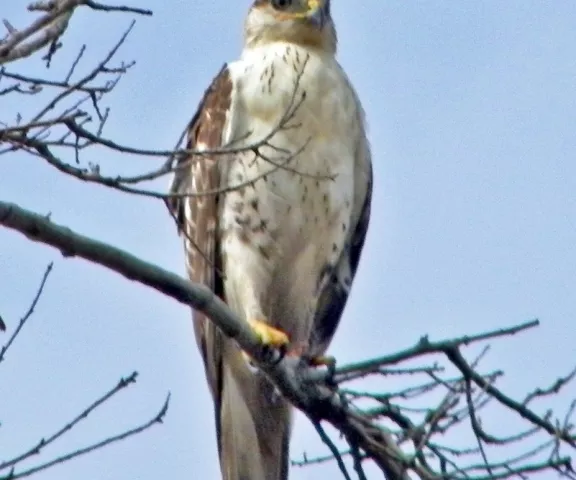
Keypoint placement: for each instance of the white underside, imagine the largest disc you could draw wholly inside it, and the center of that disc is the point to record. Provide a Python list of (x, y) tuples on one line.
[(272, 272)]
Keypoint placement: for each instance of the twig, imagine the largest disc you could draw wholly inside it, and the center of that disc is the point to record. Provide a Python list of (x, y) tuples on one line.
[(333, 449), (552, 389), (158, 418), (44, 442), (28, 314), (458, 360), (425, 346)]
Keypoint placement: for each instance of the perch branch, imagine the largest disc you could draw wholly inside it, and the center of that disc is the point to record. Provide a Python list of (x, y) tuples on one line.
[(321, 400)]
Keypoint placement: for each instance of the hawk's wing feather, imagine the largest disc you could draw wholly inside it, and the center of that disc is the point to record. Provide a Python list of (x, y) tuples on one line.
[(333, 298), (197, 217)]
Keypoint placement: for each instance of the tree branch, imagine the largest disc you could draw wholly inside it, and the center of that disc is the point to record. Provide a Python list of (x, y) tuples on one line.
[(308, 390), (49, 27), (313, 398)]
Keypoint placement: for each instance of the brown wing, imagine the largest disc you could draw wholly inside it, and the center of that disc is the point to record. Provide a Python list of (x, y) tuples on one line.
[(197, 216)]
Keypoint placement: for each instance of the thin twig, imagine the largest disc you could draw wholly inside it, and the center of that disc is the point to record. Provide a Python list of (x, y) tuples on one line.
[(44, 442), (158, 418), (28, 313)]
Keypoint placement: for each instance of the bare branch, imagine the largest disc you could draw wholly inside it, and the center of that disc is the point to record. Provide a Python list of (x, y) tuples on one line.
[(335, 453), (27, 315), (44, 442), (158, 418), (47, 29), (552, 389), (315, 399), (321, 401)]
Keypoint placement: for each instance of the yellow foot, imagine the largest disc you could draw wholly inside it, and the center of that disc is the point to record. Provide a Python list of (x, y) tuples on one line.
[(323, 360), (269, 335), (301, 350)]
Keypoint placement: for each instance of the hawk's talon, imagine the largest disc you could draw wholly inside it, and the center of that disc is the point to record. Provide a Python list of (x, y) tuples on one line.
[(273, 340), (268, 335), (327, 361)]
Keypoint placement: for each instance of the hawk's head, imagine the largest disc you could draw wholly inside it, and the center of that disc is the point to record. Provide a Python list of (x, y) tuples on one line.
[(304, 22)]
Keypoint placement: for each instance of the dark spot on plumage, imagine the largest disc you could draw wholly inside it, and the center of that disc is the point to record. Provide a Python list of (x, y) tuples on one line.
[(243, 236), (347, 203), (238, 206), (239, 177), (334, 247), (261, 227), (317, 183), (343, 227), (254, 204), (325, 198), (263, 252), (242, 220), (288, 208)]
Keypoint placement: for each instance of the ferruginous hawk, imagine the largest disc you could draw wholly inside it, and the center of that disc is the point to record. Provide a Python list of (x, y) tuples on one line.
[(276, 230)]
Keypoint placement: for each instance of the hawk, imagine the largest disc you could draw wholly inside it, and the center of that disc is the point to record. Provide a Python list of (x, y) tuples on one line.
[(275, 222)]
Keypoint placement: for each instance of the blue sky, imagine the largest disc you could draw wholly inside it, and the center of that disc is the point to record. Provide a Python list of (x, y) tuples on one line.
[(472, 115)]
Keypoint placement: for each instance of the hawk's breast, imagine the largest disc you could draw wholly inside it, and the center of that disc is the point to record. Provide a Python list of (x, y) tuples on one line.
[(297, 110)]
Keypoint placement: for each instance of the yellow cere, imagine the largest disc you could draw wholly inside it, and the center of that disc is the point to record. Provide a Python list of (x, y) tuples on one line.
[(313, 4)]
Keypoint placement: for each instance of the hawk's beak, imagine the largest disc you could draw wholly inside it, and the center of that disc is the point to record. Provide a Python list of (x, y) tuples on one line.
[(318, 11)]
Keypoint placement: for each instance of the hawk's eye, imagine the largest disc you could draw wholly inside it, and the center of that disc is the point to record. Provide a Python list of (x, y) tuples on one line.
[(281, 4)]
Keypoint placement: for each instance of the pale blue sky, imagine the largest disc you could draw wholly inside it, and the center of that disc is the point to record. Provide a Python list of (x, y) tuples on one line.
[(472, 114)]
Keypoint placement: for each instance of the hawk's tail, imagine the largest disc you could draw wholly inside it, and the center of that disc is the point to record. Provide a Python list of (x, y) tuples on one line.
[(254, 426)]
